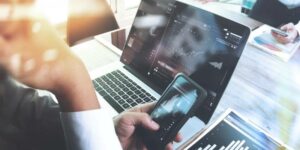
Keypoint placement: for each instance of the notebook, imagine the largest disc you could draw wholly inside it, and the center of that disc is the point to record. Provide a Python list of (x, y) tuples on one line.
[(232, 131)]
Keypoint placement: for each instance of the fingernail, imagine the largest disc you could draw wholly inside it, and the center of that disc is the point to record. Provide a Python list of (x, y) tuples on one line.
[(154, 125)]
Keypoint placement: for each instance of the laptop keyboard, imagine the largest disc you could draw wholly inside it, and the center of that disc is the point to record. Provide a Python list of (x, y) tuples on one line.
[(121, 92)]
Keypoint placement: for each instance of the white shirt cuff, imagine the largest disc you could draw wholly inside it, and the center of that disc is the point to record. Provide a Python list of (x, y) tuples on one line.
[(298, 27), (89, 130)]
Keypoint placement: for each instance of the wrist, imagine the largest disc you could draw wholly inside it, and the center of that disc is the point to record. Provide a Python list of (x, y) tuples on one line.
[(74, 90), (77, 99)]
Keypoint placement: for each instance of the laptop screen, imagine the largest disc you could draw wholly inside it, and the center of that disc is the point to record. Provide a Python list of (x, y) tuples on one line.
[(168, 37)]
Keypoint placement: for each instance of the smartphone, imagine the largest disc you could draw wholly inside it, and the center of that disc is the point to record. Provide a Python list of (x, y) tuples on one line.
[(280, 32), (177, 104)]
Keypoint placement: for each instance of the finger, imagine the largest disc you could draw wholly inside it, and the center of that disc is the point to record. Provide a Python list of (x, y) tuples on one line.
[(143, 107), (143, 119), (169, 146), (287, 27), (178, 138)]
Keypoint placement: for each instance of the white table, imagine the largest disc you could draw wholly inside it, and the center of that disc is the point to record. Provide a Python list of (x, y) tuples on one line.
[(263, 88)]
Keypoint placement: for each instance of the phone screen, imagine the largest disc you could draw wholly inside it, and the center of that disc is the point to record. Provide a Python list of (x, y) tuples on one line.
[(174, 109)]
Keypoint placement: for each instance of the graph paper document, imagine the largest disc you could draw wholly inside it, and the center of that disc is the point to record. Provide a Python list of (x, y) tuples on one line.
[(232, 132)]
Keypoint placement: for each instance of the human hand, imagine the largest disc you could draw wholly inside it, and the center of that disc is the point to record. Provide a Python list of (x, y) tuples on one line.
[(127, 122), (32, 52), (292, 34)]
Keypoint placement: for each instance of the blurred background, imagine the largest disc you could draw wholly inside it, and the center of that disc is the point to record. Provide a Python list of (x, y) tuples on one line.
[(58, 12)]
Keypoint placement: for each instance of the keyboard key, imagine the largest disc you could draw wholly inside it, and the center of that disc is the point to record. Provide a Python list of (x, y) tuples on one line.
[(122, 86), (113, 94), (153, 98), (109, 90), (103, 93), (109, 76), (121, 102), (125, 89), (118, 83), (147, 99), (137, 92), (130, 93), (114, 79), (142, 95), (133, 88), (117, 89), (129, 100), (105, 78), (109, 83), (113, 86), (125, 96), (99, 89), (134, 97), (99, 80), (105, 86), (133, 83), (117, 98), (121, 93), (139, 100), (126, 106), (129, 85), (134, 104)]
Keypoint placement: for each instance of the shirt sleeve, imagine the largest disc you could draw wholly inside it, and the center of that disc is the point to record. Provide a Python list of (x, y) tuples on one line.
[(298, 27), (89, 130)]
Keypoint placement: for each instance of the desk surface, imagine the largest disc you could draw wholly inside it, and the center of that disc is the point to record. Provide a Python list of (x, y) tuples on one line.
[(263, 88)]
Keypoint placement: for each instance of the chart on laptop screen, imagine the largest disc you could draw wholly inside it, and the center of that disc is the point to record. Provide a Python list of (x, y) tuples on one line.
[(176, 37)]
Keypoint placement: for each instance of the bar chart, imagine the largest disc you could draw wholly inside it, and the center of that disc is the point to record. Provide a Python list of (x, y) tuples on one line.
[(224, 137), (233, 133), (234, 145)]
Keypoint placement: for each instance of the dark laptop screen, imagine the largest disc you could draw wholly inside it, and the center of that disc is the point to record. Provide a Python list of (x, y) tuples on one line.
[(169, 37)]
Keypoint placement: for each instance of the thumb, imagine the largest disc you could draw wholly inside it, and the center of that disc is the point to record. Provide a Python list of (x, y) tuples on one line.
[(287, 27), (141, 119)]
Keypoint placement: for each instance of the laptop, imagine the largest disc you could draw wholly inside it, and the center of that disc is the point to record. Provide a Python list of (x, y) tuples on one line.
[(233, 131), (168, 37)]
